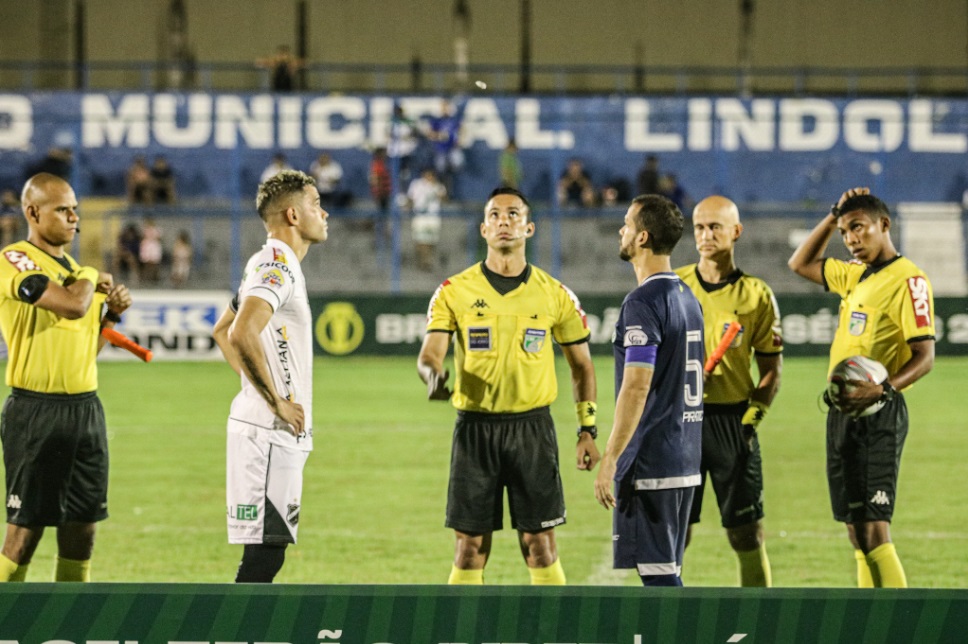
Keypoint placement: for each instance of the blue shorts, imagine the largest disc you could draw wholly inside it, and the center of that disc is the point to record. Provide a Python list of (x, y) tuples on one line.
[(649, 529)]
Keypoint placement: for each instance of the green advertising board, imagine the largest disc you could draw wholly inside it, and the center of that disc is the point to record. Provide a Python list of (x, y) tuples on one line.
[(293, 614), (387, 325)]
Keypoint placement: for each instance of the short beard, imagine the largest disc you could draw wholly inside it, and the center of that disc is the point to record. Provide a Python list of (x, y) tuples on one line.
[(624, 255)]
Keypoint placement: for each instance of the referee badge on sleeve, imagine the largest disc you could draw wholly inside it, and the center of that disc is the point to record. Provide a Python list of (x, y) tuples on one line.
[(534, 340)]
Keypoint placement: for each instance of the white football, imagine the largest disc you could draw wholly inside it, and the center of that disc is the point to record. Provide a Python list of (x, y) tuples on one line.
[(856, 368)]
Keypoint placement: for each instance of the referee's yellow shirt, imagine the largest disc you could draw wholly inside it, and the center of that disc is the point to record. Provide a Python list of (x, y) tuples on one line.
[(46, 353), (503, 351), (879, 314), (749, 301)]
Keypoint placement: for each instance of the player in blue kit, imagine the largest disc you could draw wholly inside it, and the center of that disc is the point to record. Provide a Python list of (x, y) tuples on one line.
[(653, 452)]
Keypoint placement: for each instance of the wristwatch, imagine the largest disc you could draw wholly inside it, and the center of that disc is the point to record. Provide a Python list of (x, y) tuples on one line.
[(591, 429), (889, 392)]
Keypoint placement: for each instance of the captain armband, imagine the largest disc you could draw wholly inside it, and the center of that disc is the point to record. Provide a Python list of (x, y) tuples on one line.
[(755, 413)]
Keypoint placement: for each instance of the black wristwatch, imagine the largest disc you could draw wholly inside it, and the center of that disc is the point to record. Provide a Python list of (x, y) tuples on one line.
[(889, 392), (591, 429)]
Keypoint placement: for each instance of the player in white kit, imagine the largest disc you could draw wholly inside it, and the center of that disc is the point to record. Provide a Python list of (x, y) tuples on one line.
[(266, 336)]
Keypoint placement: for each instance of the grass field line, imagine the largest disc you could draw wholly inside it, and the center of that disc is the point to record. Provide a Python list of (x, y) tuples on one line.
[(603, 574)]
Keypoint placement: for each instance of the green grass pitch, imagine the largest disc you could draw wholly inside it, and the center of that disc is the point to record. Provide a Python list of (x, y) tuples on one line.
[(373, 503)]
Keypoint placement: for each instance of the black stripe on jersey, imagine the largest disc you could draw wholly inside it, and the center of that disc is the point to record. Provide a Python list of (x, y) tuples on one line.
[(582, 341), (709, 287), (921, 338), (872, 270), (60, 260), (32, 287), (503, 284)]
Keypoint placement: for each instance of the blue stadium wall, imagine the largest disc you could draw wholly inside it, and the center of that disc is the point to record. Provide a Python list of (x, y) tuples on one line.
[(763, 149)]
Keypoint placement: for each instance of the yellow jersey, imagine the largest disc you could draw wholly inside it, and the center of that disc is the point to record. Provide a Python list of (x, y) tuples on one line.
[(46, 353), (882, 309), (749, 301), (503, 354)]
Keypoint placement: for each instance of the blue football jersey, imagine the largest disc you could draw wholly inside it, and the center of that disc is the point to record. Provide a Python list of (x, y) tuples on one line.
[(661, 326)]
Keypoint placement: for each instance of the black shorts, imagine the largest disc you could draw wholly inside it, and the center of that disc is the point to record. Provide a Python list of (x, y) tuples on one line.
[(863, 461), (496, 451), (736, 468), (55, 451)]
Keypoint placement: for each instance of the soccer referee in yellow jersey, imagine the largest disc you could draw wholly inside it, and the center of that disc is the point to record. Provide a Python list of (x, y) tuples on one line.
[(55, 449), (734, 403), (503, 315), (886, 313)]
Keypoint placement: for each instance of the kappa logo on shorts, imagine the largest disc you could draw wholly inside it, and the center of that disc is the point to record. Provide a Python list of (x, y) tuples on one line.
[(292, 514), (13, 502), (880, 498)]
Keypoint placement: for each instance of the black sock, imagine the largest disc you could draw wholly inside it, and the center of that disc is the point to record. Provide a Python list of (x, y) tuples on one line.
[(260, 563)]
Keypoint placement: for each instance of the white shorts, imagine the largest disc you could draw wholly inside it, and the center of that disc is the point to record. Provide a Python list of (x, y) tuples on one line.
[(425, 229), (263, 486)]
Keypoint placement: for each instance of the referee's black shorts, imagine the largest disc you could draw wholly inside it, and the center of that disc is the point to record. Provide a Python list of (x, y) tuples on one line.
[(55, 451), (863, 461), (733, 462), (495, 451)]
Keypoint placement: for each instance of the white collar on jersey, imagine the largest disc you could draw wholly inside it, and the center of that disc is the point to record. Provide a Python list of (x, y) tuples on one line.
[(659, 276)]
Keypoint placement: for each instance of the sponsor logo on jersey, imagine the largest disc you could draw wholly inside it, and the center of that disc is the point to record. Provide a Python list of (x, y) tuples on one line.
[(635, 337), (692, 416), (858, 322), (880, 498), (479, 338), (278, 255), (272, 278), (433, 300), (918, 288), (21, 261), (534, 340), (577, 303), (292, 514), (553, 522), (282, 350), (13, 502), (737, 339)]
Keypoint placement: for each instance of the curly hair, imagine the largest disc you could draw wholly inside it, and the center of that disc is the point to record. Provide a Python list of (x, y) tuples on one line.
[(282, 184)]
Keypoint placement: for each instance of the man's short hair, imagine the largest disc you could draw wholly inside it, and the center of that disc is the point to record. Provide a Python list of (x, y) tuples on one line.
[(870, 204), (662, 220), (280, 185), (507, 190)]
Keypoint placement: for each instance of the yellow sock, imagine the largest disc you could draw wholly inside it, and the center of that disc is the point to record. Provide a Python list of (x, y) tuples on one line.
[(553, 575), (72, 570), (8, 569), (754, 568), (466, 577), (864, 579), (886, 568)]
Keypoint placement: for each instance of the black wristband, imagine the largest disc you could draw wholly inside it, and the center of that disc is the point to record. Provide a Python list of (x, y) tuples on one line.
[(111, 316), (591, 430)]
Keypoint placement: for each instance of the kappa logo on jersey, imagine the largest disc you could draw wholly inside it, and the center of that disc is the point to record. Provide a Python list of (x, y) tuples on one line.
[(292, 514), (480, 304), (273, 278), (918, 287), (880, 498), (13, 502), (635, 337), (279, 255), (21, 261)]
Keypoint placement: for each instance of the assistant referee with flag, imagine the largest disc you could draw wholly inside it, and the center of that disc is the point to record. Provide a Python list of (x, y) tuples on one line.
[(55, 449)]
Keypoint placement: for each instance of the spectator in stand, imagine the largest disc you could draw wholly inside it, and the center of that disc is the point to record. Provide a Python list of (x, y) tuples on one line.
[(425, 195), (139, 182), (575, 186), (162, 181), (647, 180), (277, 165), (328, 175), (10, 216), (182, 255), (282, 67), (58, 162), (509, 167), (403, 142), (670, 189), (126, 250), (380, 185), (151, 252), (445, 134)]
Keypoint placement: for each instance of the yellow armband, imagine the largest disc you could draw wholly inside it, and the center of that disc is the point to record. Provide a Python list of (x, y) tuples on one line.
[(587, 413), (755, 413)]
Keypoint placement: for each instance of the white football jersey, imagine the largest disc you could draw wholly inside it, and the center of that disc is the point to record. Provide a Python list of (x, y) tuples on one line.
[(274, 275)]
